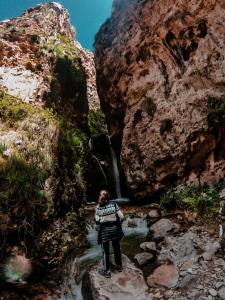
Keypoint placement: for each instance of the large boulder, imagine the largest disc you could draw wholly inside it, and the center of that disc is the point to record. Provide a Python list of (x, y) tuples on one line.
[(127, 285), (160, 76), (164, 275), (160, 229)]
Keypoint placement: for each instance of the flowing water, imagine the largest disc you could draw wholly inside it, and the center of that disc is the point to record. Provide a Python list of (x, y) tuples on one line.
[(71, 289), (102, 171), (116, 172)]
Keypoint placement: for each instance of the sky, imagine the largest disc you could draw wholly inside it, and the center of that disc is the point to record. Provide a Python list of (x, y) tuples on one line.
[(86, 15)]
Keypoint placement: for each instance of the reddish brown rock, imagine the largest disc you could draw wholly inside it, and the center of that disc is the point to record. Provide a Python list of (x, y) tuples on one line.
[(161, 228), (127, 285), (160, 77), (165, 275)]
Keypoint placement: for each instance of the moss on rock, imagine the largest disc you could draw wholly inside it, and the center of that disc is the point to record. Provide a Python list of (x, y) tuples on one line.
[(96, 122)]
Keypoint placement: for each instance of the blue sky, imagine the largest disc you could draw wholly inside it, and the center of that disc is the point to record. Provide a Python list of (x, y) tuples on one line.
[(86, 15)]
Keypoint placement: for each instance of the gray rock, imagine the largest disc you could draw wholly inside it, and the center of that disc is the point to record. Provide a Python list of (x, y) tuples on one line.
[(161, 228), (221, 293), (168, 294), (143, 258), (213, 292), (153, 216), (149, 247), (219, 284), (179, 249), (210, 249), (222, 194), (187, 283)]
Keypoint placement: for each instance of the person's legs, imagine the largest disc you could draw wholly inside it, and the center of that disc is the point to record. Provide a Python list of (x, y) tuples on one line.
[(106, 258), (117, 252)]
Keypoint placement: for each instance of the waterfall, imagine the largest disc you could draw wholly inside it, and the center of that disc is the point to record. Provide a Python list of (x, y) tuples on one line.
[(115, 171), (100, 167), (98, 162)]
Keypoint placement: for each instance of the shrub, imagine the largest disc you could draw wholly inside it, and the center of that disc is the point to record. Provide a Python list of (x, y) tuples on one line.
[(21, 184), (12, 110), (72, 145), (202, 199), (96, 122)]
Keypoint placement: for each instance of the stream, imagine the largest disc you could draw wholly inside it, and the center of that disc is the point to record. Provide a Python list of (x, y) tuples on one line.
[(71, 288)]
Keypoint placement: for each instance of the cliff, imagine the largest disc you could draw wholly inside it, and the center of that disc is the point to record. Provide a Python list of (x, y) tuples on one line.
[(47, 85), (160, 78)]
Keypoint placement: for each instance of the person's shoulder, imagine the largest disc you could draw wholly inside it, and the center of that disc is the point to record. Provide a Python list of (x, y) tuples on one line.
[(113, 203)]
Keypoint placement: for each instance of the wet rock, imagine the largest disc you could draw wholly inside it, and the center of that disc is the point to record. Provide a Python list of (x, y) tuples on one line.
[(127, 285), (165, 275), (143, 258), (149, 247), (160, 229)]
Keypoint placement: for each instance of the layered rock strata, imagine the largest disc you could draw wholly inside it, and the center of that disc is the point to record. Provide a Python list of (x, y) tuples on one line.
[(160, 77)]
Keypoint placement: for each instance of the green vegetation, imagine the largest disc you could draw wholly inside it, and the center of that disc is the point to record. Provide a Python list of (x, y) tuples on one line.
[(96, 122), (72, 148), (3, 148), (21, 185), (63, 38), (67, 44), (59, 50), (202, 199), (14, 110), (69, 74)]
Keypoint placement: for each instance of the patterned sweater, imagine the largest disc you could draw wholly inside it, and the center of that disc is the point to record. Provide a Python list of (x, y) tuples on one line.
[(107, 213)]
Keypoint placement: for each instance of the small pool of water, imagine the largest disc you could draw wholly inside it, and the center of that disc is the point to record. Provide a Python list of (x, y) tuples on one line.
[(71, 289)]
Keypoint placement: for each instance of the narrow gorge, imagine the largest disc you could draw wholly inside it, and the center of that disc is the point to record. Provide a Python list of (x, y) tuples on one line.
[(143, 116)]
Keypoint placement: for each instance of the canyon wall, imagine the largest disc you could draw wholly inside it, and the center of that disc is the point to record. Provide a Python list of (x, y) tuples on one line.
[(47, 90), (161, 81)]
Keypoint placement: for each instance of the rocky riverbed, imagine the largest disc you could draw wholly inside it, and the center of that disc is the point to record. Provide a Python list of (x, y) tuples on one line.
[(177, 260)]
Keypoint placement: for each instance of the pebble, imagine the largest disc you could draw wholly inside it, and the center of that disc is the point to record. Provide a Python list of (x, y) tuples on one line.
[(221, 293), (219, 284), (213, 292), (200, 287)]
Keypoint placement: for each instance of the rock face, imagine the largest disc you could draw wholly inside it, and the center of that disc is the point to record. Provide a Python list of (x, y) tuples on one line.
[(160, 77), (127, 285), (47, 85)]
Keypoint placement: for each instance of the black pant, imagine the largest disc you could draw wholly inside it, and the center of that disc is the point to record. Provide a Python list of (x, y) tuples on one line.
[(117, 254)]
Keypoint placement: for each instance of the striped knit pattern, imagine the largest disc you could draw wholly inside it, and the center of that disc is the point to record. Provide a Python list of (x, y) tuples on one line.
[(109, 217)]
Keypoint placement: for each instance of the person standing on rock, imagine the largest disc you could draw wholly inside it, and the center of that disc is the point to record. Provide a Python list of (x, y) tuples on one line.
[(109, 217)]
